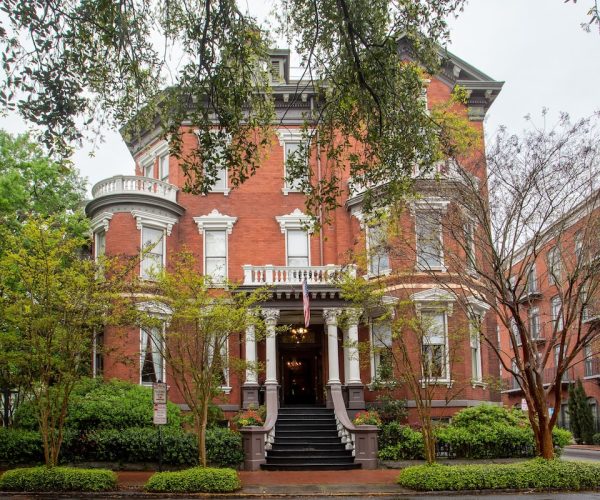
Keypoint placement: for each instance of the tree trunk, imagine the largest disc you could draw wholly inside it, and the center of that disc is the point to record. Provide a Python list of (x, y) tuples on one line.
[(544, 440), (428, 440), (202, 434)]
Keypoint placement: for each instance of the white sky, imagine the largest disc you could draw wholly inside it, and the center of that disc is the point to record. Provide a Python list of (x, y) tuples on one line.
[(537, 47)]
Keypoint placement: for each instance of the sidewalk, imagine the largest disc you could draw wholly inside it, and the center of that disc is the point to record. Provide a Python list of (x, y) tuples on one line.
[(358, 483)]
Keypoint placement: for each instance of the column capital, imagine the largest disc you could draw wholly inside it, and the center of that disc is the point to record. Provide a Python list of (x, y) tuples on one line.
[(270, 315), (331, 316), (353, 315)]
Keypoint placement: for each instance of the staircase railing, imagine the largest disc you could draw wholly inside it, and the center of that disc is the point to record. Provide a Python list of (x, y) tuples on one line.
[(361, 439)]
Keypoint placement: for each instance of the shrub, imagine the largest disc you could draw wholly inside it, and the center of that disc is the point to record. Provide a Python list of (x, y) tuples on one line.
[(196, 480), (247, 418), (485, 415), (58, 479), (596, 438), (224, 447), (390, 409), (104, 405), (399, 442), (533, 474)]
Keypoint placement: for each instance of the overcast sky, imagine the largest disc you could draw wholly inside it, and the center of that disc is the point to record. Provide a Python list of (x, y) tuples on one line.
[(537, 47)]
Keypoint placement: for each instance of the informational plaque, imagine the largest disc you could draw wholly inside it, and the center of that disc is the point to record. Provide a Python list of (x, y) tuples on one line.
[(159, 392), (160, 414)]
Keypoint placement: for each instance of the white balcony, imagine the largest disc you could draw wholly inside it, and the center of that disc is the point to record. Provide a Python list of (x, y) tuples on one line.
[(128, 184), (286, 275)]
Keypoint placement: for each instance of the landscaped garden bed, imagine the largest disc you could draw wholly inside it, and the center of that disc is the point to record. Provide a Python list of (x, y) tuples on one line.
[(536, 474)]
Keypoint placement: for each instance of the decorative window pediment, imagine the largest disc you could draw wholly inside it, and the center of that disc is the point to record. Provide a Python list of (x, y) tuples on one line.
[(476, 306), (295, 220), (101, 222), (434, 298), (153, 220), (215, 221)]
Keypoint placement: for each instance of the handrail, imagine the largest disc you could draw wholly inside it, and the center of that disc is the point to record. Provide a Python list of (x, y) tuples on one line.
[(120, 184)]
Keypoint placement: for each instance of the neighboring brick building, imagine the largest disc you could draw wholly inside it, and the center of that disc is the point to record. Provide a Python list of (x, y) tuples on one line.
[(256, 234), (568, 250)]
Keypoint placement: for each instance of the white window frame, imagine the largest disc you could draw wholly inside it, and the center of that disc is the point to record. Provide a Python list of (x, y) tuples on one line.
[(163, 377), (514, 328), (476, 311), (379, 271), (163, 161), (215, 221), (376, 344), (226, 388), (470, 254), (533, 317), (554, 265), (97, 235), (291, 136), (226, 256), (475, 343), (445, 377), (532, 271), (433, 207), (224, 171), (147, 161), (298, 221), (557, 313), (287, 255), (163, 249)]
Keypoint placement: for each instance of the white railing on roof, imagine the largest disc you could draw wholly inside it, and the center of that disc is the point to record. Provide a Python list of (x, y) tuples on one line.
[(120, 184), (283, 275)]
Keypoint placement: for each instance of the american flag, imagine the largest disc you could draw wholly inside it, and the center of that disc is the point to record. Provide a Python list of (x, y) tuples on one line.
[(306, 303)]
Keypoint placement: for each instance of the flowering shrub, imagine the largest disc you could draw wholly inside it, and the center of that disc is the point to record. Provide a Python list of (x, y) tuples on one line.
[(370, 417), (249, 417)]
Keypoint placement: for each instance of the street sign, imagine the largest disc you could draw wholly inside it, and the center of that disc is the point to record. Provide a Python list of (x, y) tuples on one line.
[(524, 404), (159, 392), (160, 414)]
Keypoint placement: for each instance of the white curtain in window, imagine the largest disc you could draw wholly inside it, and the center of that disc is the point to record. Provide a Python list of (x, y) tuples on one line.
[(297, 248), (216, 255)]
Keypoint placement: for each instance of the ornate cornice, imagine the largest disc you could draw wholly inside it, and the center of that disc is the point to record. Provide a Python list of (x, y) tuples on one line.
[(155, 220), (295, 220), (215, 220)]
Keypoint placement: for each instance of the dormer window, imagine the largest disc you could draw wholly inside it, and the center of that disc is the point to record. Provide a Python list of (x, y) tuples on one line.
[(277, 71)]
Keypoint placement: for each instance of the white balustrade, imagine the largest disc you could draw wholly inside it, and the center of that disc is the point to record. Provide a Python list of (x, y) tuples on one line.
[(121, 184), (283, 275)]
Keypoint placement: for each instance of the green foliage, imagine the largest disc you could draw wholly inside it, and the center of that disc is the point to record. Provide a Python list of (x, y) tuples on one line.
[(596, 438), (536, 474), (129, 445), (481, 432), (370, 417), (580, 413), (196, 480), (58, 479), (390, 409)]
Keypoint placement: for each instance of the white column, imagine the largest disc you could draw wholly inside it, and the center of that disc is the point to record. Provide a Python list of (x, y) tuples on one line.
[(251, 374), (353, 359), (345, 344), (331, 316), (271, 316)]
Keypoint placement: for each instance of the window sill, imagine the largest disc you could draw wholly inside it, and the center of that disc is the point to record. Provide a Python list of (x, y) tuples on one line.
[(385, 272), (224, 192), (286, 190), (478, 383), (225, 389), (438, 381), (440, 269)]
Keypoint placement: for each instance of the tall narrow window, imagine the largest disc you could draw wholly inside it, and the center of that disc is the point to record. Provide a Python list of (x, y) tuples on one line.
[(293, 154), (588, 360), (297, 248), (381, 353), (429, 240), (532, 283), (149, 170), (98, 353), (554, 266), (475, 341), (470, 245), (557, 318), (379, 259), (100, 246), (163, 167), (219, 358), (220, 183), (152, 366), (434, 345), (153, 242), (534, 323), (215, 255), (579, 245)]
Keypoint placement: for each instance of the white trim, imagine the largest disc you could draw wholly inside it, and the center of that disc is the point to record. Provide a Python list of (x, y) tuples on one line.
[(295, 220), (102, 220), (150, 156), (226, 274), (290, 135), (381, 272), (153, 220), (431, 204), (307, 244), (215, 221), (477, 306), (434, 298), (164, 247)]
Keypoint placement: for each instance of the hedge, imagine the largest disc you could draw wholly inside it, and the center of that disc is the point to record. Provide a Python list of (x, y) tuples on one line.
[(196, 480), (536, 474), (223, 447), (58, 479), (95, 404)]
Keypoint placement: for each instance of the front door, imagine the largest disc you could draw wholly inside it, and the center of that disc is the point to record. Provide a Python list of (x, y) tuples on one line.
[(301, 369)]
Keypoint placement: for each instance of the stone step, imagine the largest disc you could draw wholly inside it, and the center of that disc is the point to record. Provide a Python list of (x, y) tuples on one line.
[(311, 466)]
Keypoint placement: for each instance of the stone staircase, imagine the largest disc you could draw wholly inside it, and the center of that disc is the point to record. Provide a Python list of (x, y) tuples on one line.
[(306, 438)]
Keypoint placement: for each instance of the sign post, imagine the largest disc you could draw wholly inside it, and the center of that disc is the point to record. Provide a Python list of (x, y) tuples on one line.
[(159, 399)]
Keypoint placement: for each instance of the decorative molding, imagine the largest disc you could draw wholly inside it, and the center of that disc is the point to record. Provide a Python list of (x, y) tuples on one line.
[(331, 316), (353, 315), (270, 315), (477, 306), (101, 221), (434, 298), (295, 220), (154, 307), (154, 220), (215, 220), (289, 135), (157, 150), (430, 204)]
